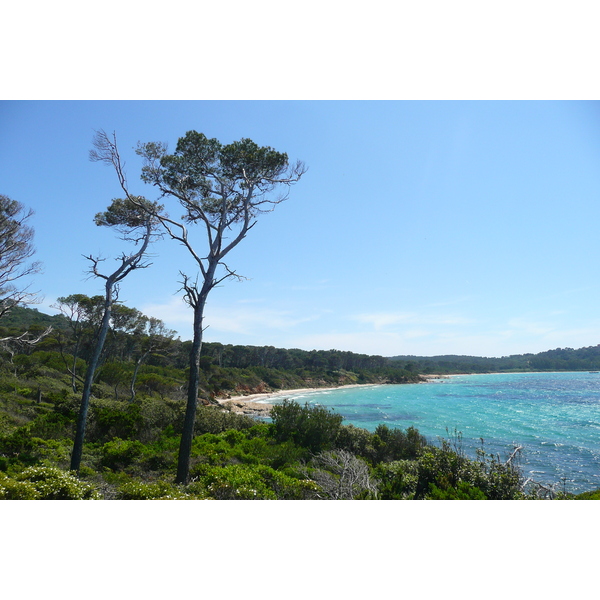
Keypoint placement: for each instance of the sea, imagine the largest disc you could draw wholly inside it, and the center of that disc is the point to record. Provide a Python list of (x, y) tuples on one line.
[(554, 417)]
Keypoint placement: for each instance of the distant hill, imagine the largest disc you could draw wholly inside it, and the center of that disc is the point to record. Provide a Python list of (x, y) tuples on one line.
[(560, 359), (22, 318)]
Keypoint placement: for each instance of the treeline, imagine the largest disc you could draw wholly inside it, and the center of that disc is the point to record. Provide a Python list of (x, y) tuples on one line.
[(280, 358), (567, 359), (464, 364), (560, 359), (144, 341)]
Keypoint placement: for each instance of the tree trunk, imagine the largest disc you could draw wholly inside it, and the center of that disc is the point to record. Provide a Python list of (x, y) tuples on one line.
[(185, 446), (73, 373), (199, 302), (89, 379), (138, 364)]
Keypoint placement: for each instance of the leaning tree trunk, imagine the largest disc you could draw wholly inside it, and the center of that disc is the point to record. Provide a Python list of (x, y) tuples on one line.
[(89, 380), (138, 364)]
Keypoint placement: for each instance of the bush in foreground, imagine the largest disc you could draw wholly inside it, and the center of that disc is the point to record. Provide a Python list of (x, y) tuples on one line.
[(45, 483), (314, 428)]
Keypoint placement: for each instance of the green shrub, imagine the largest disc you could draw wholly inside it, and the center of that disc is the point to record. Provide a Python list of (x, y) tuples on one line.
[(86, 472), (463, 491), (233, 437), (6, 425), (158, 461), (211, 449), (67, 405), (396, 444), (19, 443), (210, 419), (119, 454), (11, 489), (267, 451), (445, 469), (446, 473), (246, 447), (249, 482), (152, 383), (593, 495), (44, 361), (356, 440), (22, 448), (45, 483), (314, 428), (398, 480), (167, 440), (52, 426), (502, 480), (56, 452), (157, 416), (115, 420), (159, 490)]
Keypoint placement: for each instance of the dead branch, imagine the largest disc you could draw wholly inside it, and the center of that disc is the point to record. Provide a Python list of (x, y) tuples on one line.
[(516, 451), (24, 340)]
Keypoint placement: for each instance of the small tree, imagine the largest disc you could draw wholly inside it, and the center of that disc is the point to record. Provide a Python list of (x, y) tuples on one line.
[(152, 337), (128, 218), (82, 313)]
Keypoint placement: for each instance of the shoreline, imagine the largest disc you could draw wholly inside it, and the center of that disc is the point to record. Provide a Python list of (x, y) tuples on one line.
[(257, 404), (254, 404)]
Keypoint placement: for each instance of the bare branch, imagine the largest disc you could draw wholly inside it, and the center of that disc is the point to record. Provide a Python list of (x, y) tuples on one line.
[(340, 475), (191, 295), (106, 151), (25, 339), (515, 452), (230, 274)]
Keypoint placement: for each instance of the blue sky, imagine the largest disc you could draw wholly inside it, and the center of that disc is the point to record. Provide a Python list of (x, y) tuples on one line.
[(421, 227)]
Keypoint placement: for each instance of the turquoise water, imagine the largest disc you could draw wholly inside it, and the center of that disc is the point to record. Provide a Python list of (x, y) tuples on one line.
[(554, 416)]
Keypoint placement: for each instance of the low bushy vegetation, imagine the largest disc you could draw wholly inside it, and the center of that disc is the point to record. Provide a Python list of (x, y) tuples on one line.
[(45, 483)]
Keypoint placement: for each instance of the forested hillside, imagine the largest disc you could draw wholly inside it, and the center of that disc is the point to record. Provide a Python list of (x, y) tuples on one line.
[(560, 359)]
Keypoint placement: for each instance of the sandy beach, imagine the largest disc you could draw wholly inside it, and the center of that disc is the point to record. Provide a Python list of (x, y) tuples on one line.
[(258, 404)]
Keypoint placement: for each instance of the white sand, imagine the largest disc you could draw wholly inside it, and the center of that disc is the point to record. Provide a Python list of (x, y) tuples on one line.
[(258, 403), (270, 395)]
